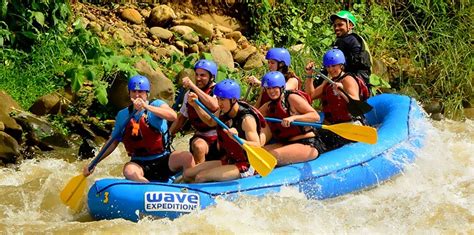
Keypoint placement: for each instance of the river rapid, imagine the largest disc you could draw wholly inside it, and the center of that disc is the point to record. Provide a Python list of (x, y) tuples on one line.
[(435, 195)]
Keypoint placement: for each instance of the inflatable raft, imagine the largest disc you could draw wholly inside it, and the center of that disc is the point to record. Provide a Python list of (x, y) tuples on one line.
[(348, 169)]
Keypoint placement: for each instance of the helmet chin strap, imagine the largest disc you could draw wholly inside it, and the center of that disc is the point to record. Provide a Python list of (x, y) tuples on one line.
[(232, 103)]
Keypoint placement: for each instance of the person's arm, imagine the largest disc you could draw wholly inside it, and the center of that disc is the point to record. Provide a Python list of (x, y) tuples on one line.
[(177, 124), (350, 86), (163, 111), (305, 113), (209, 101), (265, 133), (249, 126), (200, 112), (292, 84), (259, 99)]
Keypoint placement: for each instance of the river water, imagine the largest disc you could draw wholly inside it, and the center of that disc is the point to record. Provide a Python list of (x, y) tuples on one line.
[(435, 195)]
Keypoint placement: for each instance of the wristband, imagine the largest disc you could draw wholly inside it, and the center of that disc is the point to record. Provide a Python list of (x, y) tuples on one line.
[(308, 76)]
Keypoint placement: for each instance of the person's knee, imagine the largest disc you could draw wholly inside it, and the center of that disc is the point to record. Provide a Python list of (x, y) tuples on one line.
[(199, 146)]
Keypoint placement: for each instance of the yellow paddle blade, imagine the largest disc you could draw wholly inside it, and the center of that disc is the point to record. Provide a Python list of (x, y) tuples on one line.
[(260, 159), (365, 134), (73, 192)]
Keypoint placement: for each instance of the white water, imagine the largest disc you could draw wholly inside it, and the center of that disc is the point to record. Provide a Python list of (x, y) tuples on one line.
[(435, 195)]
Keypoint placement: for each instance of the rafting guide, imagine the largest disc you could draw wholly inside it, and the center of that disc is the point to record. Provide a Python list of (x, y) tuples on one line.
[(171, 201)]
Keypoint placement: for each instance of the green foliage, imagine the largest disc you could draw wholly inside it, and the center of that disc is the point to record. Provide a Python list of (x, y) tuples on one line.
[(26, 21)]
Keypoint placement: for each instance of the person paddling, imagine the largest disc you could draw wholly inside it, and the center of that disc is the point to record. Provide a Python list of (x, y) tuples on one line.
[(145, 137), (292, 143), (334, 101), (203, 144), (279, 59), (244, 121)]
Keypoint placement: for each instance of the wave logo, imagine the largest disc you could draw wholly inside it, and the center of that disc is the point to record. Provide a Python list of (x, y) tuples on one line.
[(171, 201)]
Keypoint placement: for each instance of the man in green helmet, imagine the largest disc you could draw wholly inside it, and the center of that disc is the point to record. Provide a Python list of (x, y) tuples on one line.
[(358, 61)]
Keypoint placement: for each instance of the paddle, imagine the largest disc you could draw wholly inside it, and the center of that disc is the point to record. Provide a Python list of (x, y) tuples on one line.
[(247, 93), (355, 107), (260, 159), (365, 134), (72, 193)]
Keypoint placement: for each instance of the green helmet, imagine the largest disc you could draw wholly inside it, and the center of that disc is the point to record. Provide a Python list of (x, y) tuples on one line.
[(344, 15)]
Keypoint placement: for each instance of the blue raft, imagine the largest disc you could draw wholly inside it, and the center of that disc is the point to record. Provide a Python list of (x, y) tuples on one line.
[(348, 169)]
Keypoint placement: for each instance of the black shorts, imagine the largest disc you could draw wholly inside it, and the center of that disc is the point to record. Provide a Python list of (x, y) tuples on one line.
[(332, 140), (213, 153), (314, 142), (156, 169)]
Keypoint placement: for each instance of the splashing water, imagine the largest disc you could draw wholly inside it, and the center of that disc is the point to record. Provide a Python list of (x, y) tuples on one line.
[(434, 195)]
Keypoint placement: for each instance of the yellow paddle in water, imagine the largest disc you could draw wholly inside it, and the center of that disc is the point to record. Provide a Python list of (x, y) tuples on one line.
[(259, 158), (73, 192), (365, 134)]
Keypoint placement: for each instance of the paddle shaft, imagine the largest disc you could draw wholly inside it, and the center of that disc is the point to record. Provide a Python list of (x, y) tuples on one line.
[(332, 82), (223, 125), (107, 145), (296, 123)]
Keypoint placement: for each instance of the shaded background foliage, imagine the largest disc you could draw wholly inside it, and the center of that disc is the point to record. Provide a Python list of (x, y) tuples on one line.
[(428, 40)]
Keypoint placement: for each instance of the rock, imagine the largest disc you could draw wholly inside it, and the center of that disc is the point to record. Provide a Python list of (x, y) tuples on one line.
[(222, 56), (8, 105), (437, 116), (40, 132), (161, 15), (191, 37), (223, 29), (125, 37), (161, 33), (230, 44), (47, 104), (223, 21), (469, 113), (9, 148), (95, 27), (131, 15), (182, 29), (242, 55), (161, 87), (433, 106), (254, 61), (204, 29), (236, 35)]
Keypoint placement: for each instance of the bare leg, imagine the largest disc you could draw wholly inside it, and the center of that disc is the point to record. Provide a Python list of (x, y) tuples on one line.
[(293, 153), (180, 160), (191, 173), (133, 171), (199, 148), (220, 173)]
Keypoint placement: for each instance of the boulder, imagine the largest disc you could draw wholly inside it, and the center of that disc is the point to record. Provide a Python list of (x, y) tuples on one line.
[(9, 148), (161, 16), (131, 15)]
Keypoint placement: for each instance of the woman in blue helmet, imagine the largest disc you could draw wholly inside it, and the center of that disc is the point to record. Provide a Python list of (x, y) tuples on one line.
[(145, 137), (292, 143), (203, 144), (279, 59), (243, 120), (334, 101)]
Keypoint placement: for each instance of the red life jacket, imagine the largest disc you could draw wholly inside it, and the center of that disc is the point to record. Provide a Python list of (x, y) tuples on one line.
[(335, 107), (141, 139), (266, 98), (193, 117), (281, 109), (230, 149)]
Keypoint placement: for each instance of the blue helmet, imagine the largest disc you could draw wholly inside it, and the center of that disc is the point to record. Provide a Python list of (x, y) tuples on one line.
[(139, 83), (207, 65), (227, 89), (273, 79), (333, 57), (280, 55)]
